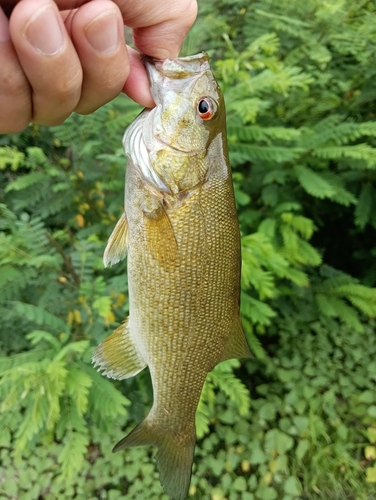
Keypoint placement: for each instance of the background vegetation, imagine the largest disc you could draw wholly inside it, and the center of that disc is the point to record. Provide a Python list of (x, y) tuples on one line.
[(298, 421)]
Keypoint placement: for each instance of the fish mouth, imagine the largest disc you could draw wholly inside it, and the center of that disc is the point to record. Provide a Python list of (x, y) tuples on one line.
[(189, 152), (176, 68)]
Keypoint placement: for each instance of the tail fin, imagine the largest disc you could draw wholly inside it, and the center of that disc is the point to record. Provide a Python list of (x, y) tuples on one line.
[(174, 457)]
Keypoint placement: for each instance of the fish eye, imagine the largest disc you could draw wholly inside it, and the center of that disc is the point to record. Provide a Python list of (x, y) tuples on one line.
[(206, 108)]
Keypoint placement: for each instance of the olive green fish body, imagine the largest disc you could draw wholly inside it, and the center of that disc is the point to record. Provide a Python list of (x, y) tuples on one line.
[(182, 237)]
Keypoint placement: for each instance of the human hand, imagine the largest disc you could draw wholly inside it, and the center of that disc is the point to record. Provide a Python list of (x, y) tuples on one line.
[(61, 56)]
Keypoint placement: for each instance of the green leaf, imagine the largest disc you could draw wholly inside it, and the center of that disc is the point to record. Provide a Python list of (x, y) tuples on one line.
[(278, 442), (371, 434), (37, 336), (372, 411), (301, 449), (364, 205), (257, 455), (72, 454), (38, 315), (268, 411), (371, 474), (240, 484), (313, 183), (292, 486)]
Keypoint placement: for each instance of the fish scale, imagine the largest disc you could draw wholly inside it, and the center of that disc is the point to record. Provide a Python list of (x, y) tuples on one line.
[(180, 232)]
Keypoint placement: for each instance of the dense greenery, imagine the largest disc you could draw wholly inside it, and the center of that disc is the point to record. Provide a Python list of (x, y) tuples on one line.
[(298, 421)]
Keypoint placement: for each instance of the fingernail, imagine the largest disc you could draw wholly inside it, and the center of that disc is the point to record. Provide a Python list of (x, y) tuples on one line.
[(103, 33), (44, 33), (4, 27)]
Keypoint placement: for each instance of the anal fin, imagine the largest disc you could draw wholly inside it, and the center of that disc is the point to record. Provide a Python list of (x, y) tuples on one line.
[(237, 345), (117, 244), (117, 355)]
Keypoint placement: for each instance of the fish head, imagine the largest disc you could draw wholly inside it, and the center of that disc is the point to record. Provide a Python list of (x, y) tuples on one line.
[(187, 101), (189, 113)]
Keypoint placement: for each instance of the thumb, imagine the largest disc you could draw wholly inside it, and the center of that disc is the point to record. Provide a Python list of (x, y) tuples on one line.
[(164, 38)]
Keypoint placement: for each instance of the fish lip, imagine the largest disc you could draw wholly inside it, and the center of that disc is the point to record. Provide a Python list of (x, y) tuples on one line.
[(175, 67)]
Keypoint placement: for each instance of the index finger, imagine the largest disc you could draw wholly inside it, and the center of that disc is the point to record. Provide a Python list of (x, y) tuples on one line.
[(159, 27)]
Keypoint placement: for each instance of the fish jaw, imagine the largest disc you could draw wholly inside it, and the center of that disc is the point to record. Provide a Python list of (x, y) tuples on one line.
[(168, 72)]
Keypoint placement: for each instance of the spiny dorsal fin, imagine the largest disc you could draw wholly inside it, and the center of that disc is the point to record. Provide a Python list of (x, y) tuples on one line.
[(116, 248), (237, 346), (117, 355)]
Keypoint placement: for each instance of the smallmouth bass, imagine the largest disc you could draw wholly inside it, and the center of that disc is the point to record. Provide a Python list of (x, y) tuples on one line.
[(181, 235)]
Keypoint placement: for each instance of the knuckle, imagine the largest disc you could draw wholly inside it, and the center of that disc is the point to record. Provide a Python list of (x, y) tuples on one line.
[(114, 82), (54, 102), (14, 83), (101, 90), (66, 90), (15, 108), (191, 13)]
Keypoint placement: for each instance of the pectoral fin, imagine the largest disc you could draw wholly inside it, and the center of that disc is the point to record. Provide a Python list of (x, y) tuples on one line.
[(116, 248), (117, 355), (237, 346), (160, 238)]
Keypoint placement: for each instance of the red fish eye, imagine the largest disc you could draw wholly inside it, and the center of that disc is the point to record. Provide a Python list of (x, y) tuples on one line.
[(205, 108)]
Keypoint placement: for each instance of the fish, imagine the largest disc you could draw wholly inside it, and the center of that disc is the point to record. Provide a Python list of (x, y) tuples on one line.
[(180, 233)]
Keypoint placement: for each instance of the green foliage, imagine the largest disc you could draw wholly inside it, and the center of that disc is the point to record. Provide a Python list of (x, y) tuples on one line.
[(299, 420), (295, 438)]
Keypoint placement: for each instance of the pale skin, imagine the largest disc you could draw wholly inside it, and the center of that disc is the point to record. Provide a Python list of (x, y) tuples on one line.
[(64, 56)]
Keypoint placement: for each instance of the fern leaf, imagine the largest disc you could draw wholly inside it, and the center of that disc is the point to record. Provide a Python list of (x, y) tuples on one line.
[(364, 206), (354, 289), (78, 384), (105, 401), (299, 278), (37, 336), (78, 347), (253, 133), (11, 157), (358, 152), (234, 389), (38, 315), (290, 240), (313, 183), (278, 154), (325, 305), (205, 408), (258, 312), (301, 224), (278, 176), (365, 306), (54, 385), (307, 254), (36, 156), (73, 453), (26, 181), (253, 341), (337, 308)]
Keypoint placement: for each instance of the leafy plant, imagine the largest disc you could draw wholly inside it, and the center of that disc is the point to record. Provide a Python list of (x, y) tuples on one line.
[(298, 421)]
